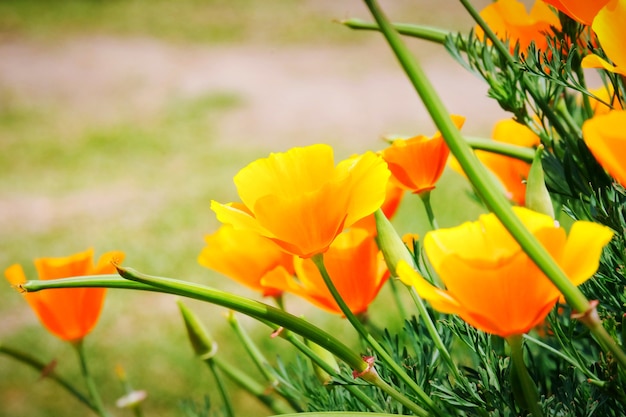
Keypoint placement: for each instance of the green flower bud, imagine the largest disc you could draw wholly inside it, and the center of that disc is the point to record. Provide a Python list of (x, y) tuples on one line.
[(537, 196)]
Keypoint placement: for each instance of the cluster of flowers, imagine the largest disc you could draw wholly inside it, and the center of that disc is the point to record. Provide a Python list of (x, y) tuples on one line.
[(299, 205)]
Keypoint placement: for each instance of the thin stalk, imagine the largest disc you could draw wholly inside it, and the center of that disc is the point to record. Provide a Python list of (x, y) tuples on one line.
[(46, 372), (91, 385), (432, 221), (590, 375), (427, 33), (529, 389), (253, 387), (488, 191), (387, 359), (221, 386), (252, 308), (396, 296), (261, 362)]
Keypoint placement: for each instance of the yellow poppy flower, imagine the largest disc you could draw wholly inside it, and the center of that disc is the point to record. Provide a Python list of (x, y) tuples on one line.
[(417, 163), (68, 313), (606, 138), (246, 257), (302, 201), (582, 11), (490, 281), (604, 95), (354, 264), (610, 28), (508, 19)]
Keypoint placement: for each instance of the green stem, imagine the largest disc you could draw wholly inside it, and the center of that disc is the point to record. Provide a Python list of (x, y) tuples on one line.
[(221, 386), (46, 372), (387, 359), (519, 152), (427, 33), (485, 187), (590, 375), (253, 387), (432, 221), (91, 385), (243, 305), (523, 377), (319, 361), (262, 363), (396, 296)]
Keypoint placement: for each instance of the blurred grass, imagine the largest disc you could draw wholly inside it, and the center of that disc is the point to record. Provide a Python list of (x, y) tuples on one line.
[(142, 185)]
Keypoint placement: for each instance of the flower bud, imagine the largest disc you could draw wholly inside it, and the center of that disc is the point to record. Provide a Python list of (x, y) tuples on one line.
[(537, 196), (200, 339), (324, 377), (390, 244)]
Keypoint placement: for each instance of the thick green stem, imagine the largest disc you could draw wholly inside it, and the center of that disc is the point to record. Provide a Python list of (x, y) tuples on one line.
[(244, 305), (527, 385), (386, 358), (91, 385), (46, 371), (484, 185)]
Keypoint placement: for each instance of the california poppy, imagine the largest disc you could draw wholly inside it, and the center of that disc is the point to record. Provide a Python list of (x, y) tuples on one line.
[(489, 280), (355, 266), (609, 26), (302, 201), (417, 163), (68, 313), (605, 136), (246, 257), (583, 11), (508, 19)]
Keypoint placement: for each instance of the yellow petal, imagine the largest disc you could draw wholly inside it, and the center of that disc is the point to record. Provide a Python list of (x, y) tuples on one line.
[(438, 298), (299, 170), (581, 255), (610, 27)]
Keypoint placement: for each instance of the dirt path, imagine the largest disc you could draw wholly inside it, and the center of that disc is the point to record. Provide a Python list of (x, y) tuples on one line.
[(345, 95)]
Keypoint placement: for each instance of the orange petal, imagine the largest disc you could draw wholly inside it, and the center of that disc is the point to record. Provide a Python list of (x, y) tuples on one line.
[(581, 255), (605, 137)]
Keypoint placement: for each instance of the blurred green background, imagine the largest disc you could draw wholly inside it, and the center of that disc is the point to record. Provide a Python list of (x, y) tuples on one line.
[(121, 120)]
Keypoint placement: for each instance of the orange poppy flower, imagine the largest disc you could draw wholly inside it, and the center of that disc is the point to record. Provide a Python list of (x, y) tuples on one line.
[(68, 313), (246, 257), (490, 281), (610, 28), (417, 163), (302, 201), (354, 264), (606, 138), (583, 11), (511, 172), (508, 19)]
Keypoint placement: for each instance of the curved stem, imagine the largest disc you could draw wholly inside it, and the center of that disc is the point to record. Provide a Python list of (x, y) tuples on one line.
[(485, 187), (395, 368), (425, 197), (46, 372), (523, 377), (252, 308), (91, 385)]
